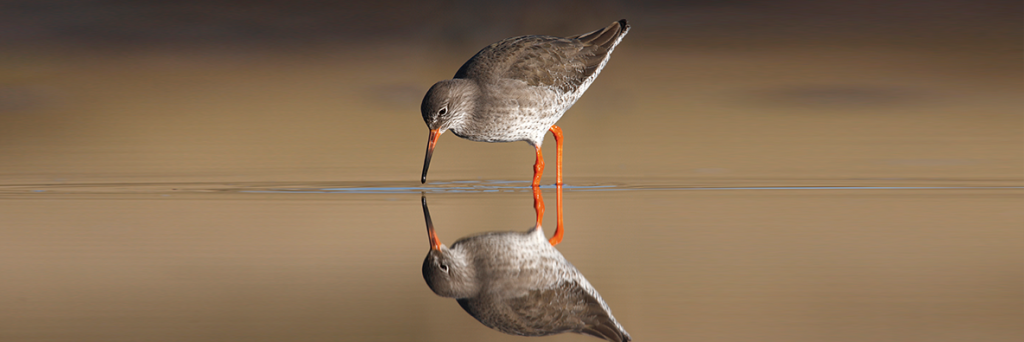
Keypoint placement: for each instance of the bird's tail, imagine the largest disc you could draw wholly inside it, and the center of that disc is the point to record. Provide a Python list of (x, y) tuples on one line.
[(605, 37)]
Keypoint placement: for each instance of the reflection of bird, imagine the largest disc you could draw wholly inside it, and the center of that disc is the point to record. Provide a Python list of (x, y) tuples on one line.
[(516, 89), (517, 283)]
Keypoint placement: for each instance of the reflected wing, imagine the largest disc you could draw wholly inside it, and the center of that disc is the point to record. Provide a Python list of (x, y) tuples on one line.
[(567, 308)]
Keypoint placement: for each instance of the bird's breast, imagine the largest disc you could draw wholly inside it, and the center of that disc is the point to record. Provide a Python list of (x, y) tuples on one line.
[(523, 114)]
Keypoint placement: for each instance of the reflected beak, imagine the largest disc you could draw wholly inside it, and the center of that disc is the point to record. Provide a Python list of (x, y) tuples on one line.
[(435, 243), (434, 134)]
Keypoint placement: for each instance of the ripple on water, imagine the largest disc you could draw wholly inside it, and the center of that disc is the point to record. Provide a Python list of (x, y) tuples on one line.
[(488, 186)]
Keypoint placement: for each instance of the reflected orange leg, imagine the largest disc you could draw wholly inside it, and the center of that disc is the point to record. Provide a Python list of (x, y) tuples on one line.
[(538, 168), (555, 239), (557, 132), (538, 205)]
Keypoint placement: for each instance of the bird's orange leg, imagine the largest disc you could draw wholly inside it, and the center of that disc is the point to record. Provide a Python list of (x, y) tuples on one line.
[(558, 205), (538, 168), (557, 132), (538, 205)]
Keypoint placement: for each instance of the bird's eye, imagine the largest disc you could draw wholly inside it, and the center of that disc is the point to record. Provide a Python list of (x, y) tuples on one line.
[(444, 268), (443, 111)]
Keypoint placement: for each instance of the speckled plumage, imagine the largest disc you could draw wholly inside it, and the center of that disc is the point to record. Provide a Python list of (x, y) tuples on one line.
[(518, 283), (517, 88)]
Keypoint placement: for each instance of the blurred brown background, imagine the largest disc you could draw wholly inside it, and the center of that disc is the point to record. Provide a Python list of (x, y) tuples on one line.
[(142, 142)]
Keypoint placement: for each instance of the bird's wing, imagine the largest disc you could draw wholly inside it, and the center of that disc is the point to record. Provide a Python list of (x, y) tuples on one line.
[(535, 60), (563, 63)]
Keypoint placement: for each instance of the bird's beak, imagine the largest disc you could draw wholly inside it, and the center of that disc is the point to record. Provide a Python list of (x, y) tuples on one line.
[(435, 243), (434, 134)]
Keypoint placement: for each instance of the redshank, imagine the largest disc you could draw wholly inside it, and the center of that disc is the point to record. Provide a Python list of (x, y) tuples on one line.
[(518, 283), (516, 89)]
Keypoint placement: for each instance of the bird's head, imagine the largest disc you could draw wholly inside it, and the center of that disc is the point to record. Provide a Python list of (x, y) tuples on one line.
[(447, 103), (448, 271), (446, 106)]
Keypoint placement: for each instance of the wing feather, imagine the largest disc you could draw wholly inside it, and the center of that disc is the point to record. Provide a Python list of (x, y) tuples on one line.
[(563, 63), (568, 307)]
